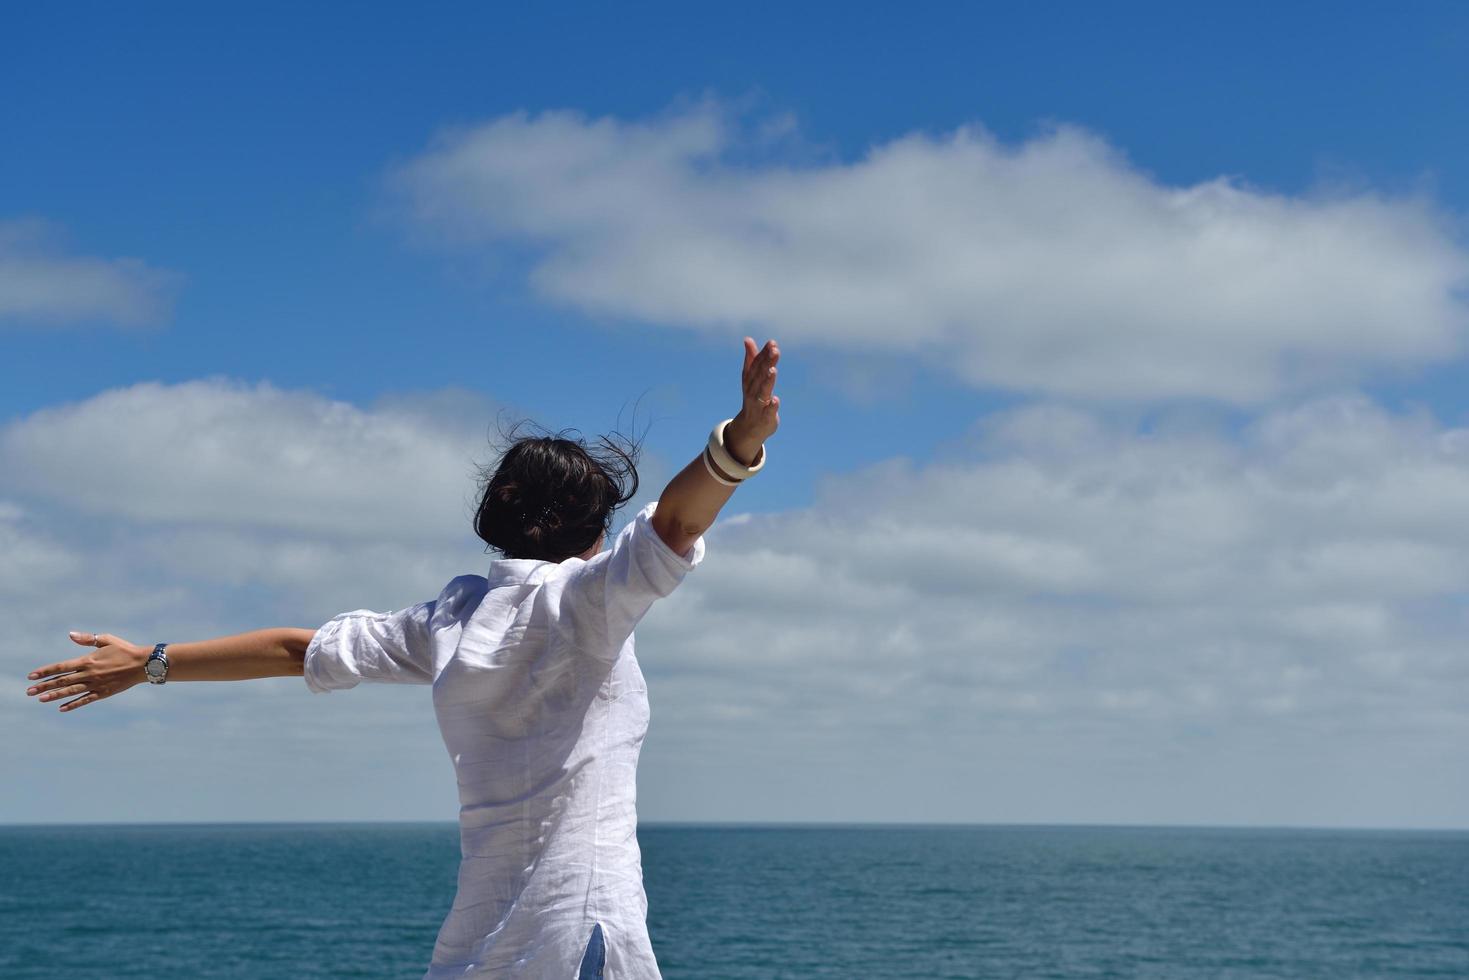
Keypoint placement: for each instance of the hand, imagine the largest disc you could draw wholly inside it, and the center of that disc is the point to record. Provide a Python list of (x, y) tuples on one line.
[(114, 666), (759, 416)]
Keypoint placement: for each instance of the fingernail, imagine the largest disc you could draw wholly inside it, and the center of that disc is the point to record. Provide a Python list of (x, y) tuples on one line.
[(74, 635), (32, 676), (30, 690)]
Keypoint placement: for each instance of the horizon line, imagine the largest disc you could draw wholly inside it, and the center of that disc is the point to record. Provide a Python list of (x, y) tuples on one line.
[(779, 824)]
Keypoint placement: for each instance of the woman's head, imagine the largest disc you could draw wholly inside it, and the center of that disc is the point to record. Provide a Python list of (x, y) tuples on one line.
[(552, 497)]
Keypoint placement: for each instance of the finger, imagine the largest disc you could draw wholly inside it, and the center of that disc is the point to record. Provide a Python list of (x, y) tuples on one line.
[(752, 357), (760, 394), (56, 694), (83, 701), (53, 684), (759, 368), (752, 364), (767, 379), (83, 639), (65, 667)]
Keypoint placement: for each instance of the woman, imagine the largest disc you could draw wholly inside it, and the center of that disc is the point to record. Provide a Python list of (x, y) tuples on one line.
[(535, 684)]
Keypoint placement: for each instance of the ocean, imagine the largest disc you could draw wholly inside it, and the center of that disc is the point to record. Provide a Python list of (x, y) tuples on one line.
[(306, 901)]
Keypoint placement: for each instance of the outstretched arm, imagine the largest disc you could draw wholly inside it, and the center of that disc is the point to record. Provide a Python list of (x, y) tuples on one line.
[(114, 665), (693, 498)]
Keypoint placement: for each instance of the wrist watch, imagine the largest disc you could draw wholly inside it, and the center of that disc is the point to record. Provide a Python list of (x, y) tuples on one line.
[(157, 666)]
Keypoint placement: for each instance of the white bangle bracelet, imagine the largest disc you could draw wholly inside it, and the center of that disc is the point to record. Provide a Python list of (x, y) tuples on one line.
[(728, 463), (715, 473)]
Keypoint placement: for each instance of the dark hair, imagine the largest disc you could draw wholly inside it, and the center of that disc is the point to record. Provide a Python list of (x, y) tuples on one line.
[(550, 496)]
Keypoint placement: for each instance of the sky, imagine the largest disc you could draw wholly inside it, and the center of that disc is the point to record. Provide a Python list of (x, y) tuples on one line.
[(1124, 446)]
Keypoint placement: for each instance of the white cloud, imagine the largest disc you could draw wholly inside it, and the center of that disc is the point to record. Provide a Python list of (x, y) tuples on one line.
[(166, 512), (1063, 617), (30, 558), (1097, 605), (1052, 266), (228, 455), (41, 284)]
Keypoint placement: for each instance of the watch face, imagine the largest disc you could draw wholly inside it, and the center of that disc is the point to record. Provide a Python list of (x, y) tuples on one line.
[(155, 667)]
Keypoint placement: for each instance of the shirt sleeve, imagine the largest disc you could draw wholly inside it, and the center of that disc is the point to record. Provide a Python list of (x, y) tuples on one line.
[(601, 600), (394, 647)]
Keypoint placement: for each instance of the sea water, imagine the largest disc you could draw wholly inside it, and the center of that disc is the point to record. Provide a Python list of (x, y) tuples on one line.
[(365, 900)]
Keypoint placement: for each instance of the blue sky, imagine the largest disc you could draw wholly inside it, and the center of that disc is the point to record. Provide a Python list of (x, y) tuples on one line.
[(245, 150), (292, 194)]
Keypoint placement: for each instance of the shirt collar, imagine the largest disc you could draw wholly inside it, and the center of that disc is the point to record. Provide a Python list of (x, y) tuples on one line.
[(515, 571)]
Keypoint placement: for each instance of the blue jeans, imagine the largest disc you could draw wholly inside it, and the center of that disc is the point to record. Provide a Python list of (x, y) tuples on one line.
[(596, 956)]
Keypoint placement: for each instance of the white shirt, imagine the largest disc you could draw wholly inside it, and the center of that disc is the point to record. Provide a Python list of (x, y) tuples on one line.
[(543, 709)]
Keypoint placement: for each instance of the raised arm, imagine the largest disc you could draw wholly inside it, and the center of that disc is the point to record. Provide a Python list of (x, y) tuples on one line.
[(113, 665), (693, 498)]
